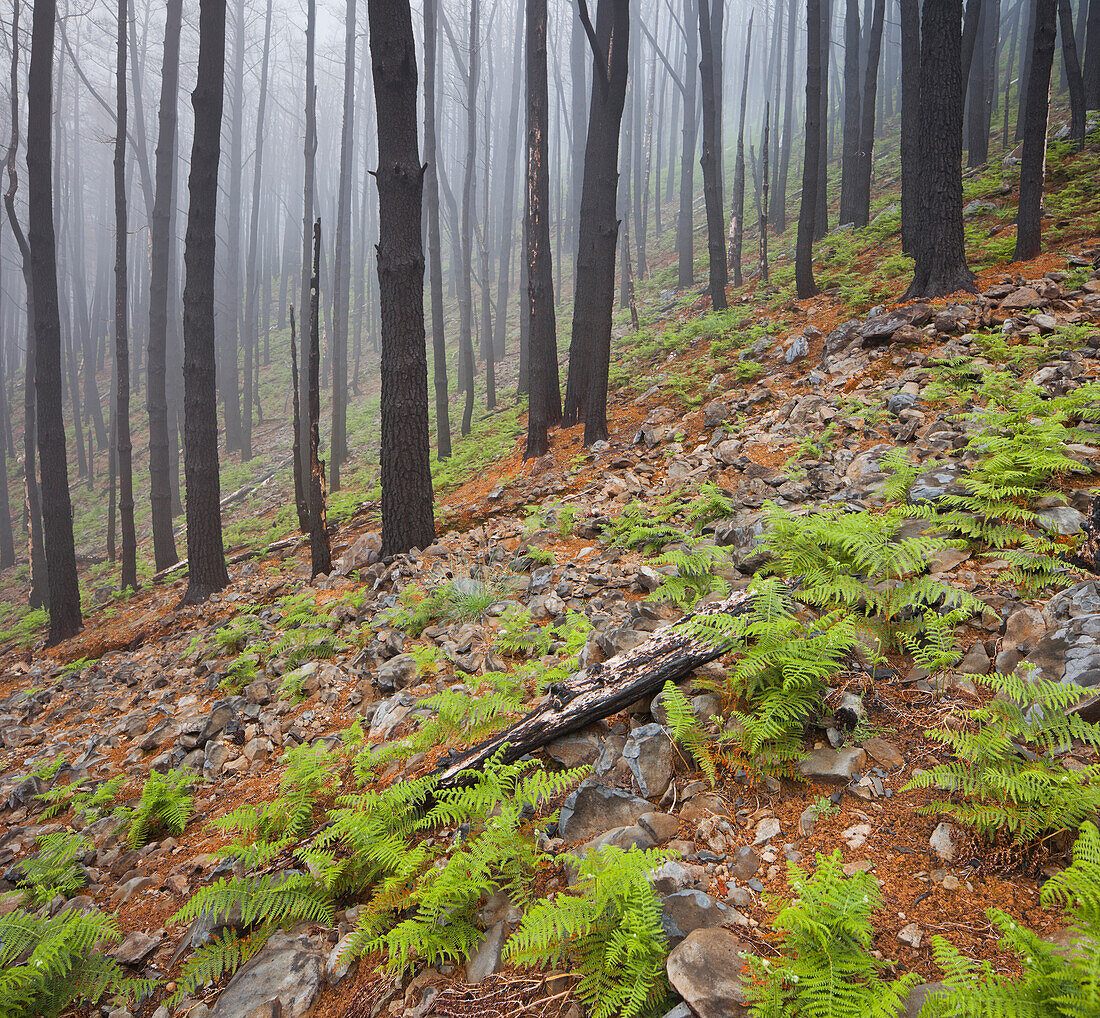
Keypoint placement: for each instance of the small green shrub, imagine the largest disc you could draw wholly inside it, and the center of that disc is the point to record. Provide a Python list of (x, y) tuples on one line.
[(164, 805), (54, 869)]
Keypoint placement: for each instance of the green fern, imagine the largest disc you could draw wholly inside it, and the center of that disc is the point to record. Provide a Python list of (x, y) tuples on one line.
[(164, 805), (696, 574), (709, 506), (644, 526), (686, 731), (1054, 983), (610, 930), (518, 636), (47, 964), (54, 868), (214, 959), (995, 786), (87, 803), (826, 969)]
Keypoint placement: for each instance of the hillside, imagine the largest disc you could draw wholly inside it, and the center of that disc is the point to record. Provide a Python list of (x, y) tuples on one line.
[(918, 482)]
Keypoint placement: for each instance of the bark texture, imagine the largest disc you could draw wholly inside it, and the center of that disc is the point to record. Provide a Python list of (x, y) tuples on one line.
[(1029, 215), (807, 215)]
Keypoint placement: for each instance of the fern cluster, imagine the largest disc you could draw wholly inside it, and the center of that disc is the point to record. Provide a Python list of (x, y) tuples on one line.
[(1053, 983), (54, 869), (866, 563), (48, 964), (645, 526), (518, 636), (696, 574), (610, 930), (784, 660), (994, 783), (88, 803), (686, 731), (449, 602), (165, 804), (826, 969), (709, 506)]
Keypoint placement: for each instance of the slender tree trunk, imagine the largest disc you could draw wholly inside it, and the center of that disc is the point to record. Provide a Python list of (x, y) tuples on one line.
[(251, 316), (466, 270), (1073, 76), (867, 130), (486, 329), (764, 198), (300, 502), (507, 221), (779, 199), (57, 521), (319, 552), (971, 24), (39, 593), (205, 554), (821, 217), (684, 223), (939, 247), (739, 170), (7, 535), (590, 342), (545, 404), (122, 332), (435, 261), (910, 121), (1029, 216), (1027, 47), (850, 159), (1091, 64), (804, 266), (712, 184), (310, 155), (407, 520), (578, 54), (1017, 19)]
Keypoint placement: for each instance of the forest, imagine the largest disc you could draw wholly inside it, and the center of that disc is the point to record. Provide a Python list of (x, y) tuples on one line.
[(550, 508)]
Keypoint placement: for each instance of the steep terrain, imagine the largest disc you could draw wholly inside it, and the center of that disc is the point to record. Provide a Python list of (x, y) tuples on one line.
[(922, 569)]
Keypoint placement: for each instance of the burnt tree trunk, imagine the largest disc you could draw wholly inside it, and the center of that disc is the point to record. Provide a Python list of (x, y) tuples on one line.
[(684, 224), (712, 183), (849, 167), (310, 157), (407, 519), (1091, 64), (122, 332), (590, 344), (545, 402), (1029, 216), (604, 689), (160, 486), (739, 169), (862, 208), (910, 121), (57, 520), (1073, 76), (300, 503), (821, 217), (939, 248), (435, 260), (466, 268), (779, 199), (319, 551), (205, 553), (807, 215)]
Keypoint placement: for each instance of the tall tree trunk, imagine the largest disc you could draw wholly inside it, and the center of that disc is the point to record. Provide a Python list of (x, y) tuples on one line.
[(338, 447), (971, 23), (507, 221), (684, 223), (1073, 76), (300, 502), (122, 332), (486, 329), (739, 169), (712, 183), (319, 552), (804, 265), (578, 54), (7, 535), (590, 342), (764, 197), (251, 316), (435, 260), (910, 121), (779, 199), (466, 269), (1029, 216), (850, 158), (1090, 66), (310, 155), (205, 553), (939, 247), (57, 521), (39, 593), (1027, 48), (867, 129), (407, 519), (161, 245), (545, 403), (821, 216)]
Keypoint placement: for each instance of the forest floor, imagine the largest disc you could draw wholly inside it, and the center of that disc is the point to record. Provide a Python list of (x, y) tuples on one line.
[(775, 401)]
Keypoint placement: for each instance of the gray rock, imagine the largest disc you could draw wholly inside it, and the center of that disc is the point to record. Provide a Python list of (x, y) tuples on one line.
[(289, 968), (594, 808), (937, 483), (486, 959), (1082, 599), (1062, 519), (648, 754), (976, 661), (832, 766), (797, 350), (745, 864), (362, 552), (917, 998), (942, 842), (397, 673), (715, 413), (135, 948), (223, 715), (900, 401), (706, 971), (1024, 630), (683, 912), (576, 749)]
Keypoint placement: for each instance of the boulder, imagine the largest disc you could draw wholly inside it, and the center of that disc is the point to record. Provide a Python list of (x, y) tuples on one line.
[(832, 766), (683, 912), (706, 970), (594, 808), (289, 968), (648, 754)]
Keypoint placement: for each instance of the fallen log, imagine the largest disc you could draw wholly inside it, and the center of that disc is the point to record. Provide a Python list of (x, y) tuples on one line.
[(604, 689)]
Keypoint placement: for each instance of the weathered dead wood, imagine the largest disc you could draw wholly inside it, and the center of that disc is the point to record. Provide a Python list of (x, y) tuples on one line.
[(604, 689)]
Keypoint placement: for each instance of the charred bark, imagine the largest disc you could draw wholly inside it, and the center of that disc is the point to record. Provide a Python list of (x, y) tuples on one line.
[(807, 216), (1029, 215), (739, 169), (319, 551)]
